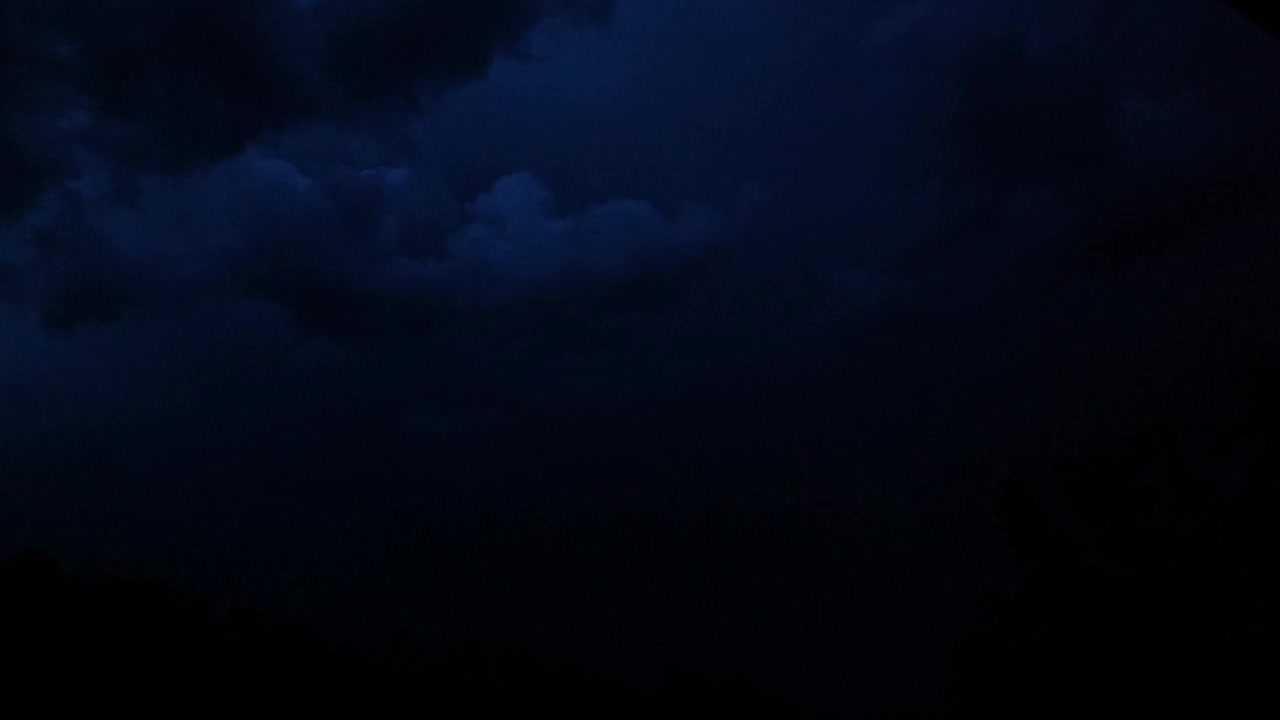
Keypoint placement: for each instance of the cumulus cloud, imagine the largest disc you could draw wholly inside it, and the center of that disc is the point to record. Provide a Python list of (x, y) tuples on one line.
[(346, 248), (516, 239)]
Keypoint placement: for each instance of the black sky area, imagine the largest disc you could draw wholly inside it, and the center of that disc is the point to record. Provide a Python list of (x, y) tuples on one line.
[(898, 358)]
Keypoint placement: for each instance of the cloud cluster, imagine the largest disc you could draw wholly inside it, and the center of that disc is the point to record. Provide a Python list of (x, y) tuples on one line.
[(347, 249), (161, 153), (160, 86), (201, 148)]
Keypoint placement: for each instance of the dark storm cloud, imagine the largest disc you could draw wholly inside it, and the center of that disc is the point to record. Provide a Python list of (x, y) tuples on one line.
[(349, 246), (98, 96), (874, 161), (900, 138), (865, 156), (163, 85), (897, 136), (1100, 132), (300, 301)]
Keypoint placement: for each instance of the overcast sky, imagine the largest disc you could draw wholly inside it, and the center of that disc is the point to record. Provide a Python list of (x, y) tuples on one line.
[(671, 318)]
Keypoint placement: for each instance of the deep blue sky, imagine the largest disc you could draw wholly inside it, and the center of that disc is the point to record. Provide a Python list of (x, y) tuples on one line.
[(670, 321)]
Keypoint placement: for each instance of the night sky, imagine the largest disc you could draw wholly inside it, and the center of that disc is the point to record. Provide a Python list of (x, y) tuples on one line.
[(646, 334)]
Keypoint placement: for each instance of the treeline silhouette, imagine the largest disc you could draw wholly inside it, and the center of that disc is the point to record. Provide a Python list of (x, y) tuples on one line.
[(118, 645), (1150, 566)]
